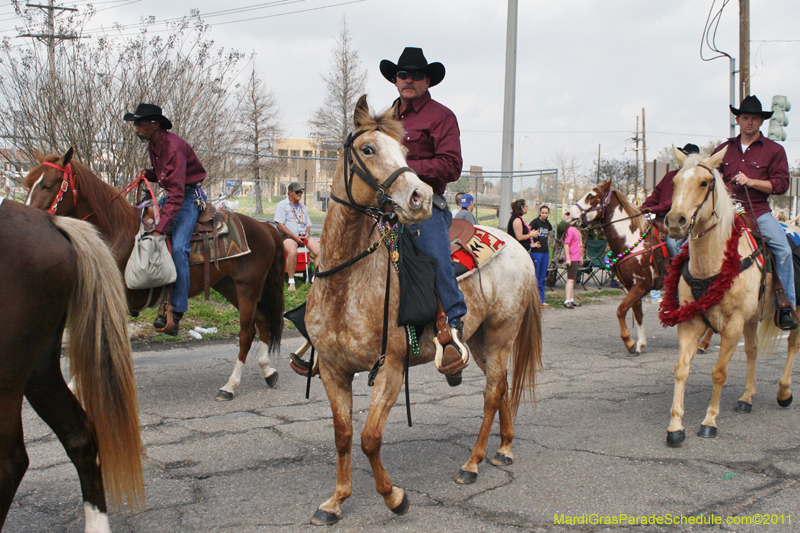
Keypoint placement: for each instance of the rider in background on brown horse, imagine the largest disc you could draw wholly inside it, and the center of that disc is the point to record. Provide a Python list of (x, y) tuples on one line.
[(754, 167), (179, 172), (433, 141)]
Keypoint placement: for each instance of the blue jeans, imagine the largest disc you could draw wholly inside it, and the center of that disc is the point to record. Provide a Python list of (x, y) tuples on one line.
[(674, 246), (772, 230), (540, 263), (181, 235), (434, 242)]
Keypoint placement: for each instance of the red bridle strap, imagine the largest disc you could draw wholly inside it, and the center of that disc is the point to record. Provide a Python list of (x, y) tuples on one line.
[(67, 183)]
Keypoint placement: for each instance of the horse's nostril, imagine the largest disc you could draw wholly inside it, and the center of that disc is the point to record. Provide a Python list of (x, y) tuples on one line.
[(682, 221)]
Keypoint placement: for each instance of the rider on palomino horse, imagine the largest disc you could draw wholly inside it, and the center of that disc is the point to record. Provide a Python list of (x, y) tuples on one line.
[(753, 168), (177, 170)]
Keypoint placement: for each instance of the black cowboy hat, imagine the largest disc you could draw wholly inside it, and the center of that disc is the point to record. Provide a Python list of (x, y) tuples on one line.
[(690, 149), (149, 111), (752, 106), (412, 60)]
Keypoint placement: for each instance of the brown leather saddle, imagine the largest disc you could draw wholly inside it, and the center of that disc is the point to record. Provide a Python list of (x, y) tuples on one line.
[(210, 226)]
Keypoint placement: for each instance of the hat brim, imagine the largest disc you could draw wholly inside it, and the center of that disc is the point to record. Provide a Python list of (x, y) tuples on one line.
[(436, 71), (763, 114), (164, 121)]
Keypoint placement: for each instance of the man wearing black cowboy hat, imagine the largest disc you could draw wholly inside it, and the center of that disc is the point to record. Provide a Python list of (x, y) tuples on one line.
[(177, 169), (433, 141), (753, 168)]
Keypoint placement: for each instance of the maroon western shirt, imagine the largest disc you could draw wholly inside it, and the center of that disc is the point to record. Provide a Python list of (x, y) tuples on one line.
[(175, 167), (660, 200), (433, 141), (764, 159)]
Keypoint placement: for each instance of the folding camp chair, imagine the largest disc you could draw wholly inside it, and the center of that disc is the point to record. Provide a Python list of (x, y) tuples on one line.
[(556, 268), (593, 267)]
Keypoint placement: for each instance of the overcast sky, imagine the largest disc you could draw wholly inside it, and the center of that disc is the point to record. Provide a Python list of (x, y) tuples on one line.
[(585, 68)]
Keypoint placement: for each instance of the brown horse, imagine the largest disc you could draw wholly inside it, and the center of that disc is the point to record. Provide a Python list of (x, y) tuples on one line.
[(253, 283), (54, 272), (344, 315), (639, 269), (702, 209)]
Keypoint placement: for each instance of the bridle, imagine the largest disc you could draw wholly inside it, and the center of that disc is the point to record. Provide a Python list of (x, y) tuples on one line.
[(68, 182), (596, 207), (353, 164), (712, 190)]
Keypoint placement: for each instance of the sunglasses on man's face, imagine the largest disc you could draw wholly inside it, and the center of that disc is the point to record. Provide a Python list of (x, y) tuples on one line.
[(416, 75)]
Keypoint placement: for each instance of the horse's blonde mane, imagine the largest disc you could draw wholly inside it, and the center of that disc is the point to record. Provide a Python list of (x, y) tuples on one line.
[(631, 210), (723, 205)]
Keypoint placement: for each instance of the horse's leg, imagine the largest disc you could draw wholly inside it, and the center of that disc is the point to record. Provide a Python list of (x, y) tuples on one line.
[(641, 340), (13, 458), (785, 383), (706, 341), (688, 335), (244, 297), (634, 295), (384, 394), (48, 394), (269, 373), (728, 344), (745, 403), (339, 388)]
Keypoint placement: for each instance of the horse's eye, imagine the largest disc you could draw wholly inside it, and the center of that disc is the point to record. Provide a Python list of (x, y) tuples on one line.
[(704, 184), (590, 197), (367, 150), (47, 187)]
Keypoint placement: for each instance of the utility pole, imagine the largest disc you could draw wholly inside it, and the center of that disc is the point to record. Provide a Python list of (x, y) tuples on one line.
[(644, 154), (598, 164), (635, 138), (744, 48), (509, 96), (50, 38)]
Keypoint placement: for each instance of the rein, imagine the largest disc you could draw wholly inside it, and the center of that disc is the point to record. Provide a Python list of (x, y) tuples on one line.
[(711, 189), (68, 182)]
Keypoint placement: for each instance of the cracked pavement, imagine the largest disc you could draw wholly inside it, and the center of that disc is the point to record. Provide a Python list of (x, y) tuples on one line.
[(594, 443)]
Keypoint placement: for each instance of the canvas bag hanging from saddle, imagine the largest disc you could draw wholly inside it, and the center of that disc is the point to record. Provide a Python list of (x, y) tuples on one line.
[(417, 272), (150, 264)]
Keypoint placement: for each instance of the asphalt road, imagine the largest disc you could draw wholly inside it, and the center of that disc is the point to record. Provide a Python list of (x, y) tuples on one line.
[(593, 445)]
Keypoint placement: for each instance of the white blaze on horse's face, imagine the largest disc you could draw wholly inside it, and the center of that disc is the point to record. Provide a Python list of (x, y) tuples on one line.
[(582, 205), (689, 189), (33, 187)]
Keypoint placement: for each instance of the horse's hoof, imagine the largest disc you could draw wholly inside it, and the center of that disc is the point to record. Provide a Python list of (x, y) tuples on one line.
[(454, 380), (675, 438), (632, 350), (403, 507), (272, 379), (785, 403), (466, 478), (223, 396), (707, 432), (743, 407), (501, 460), (324, 518), (701, 350)]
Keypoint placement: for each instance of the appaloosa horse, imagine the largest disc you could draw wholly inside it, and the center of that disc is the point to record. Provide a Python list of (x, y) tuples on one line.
[(344, 315), (720, 256), (57, 271), (253, 282)]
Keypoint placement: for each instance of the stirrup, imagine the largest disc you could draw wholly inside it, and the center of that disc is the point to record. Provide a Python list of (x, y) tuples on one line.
[(452, 355)]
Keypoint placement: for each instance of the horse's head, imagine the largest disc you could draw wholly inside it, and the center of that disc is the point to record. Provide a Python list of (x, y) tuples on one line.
[(52, 185), (699, 200), (591, 206), (373, 173)]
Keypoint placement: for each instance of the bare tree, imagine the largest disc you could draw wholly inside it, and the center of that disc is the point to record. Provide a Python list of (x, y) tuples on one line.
[(345, 82), (623, 173), (97, 80), (258, 126)]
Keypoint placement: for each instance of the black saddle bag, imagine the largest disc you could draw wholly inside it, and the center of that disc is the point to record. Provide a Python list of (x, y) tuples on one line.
[(418, 303)]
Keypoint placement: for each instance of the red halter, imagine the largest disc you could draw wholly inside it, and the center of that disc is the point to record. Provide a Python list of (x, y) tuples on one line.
[(67, 183)]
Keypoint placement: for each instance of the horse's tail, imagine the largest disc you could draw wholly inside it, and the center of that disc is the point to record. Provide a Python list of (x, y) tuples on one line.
[(271, 302), (101, 362), (768, 334), (527, 354)]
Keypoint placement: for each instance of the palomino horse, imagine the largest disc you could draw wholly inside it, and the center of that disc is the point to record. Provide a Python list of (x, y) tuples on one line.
[(702, 209), (253, 283), (636, 253), (344, 315), (54, 272)]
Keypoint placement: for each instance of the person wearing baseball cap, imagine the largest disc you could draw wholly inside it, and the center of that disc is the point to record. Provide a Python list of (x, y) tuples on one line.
[(467, 205), (294, 225)]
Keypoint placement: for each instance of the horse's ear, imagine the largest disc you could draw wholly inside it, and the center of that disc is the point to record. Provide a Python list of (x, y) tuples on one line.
[(606, 185), (716, 159), (67, 158), (680, 156), (361, 113), (39, 156)]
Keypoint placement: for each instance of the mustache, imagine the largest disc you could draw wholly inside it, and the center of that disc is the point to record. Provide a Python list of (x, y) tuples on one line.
[(142, 138), (408, 86)]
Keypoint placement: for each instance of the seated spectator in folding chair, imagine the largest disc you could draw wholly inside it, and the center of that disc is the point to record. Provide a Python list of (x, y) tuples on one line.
[(294, 225), (659, 203), (573, 257)]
